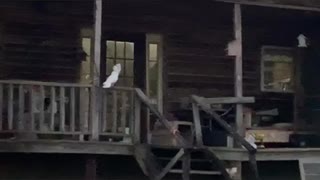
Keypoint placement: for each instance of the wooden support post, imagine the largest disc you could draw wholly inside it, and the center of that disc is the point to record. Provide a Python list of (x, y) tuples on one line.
[(95, 69), (186, 165), (238, 68), (91, 168), (299, 121)]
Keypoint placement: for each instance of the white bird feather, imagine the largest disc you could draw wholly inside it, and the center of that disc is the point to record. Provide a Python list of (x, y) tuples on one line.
[(113, 78)]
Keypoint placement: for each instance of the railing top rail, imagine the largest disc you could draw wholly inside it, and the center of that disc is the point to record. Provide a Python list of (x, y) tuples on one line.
[(41, 83)]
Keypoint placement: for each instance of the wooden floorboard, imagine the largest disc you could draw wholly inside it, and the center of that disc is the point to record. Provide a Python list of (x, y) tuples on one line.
[(66, 147)]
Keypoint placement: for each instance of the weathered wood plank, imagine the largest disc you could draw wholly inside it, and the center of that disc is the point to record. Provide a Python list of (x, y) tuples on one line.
[(123, 111), (238, 68), (186, 165), (169, 166), (32, 107), (197, 124), (137, 120), (52, 107), (10, 107), (72, 109), (62, 109), (42, 118), (104, 111), (95, 69), (114, 111), (230, 100), (21, 108)]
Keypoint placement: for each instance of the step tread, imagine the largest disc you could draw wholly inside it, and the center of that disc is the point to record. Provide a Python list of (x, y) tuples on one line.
[(199, 172)]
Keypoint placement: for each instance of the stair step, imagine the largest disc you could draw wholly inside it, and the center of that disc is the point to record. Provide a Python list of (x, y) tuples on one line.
[(192, 160), (198, 172)]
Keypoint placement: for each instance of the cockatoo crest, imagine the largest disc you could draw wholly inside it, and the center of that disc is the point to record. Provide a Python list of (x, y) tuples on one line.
[(113, 78)]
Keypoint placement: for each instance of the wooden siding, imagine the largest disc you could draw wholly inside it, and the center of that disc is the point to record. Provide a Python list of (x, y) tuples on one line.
[(41, 40)]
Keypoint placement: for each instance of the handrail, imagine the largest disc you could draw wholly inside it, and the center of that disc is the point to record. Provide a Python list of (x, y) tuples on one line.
[(252, 151), (147, 102)]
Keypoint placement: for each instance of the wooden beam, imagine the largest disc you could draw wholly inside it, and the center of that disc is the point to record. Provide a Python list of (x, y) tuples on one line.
[(186, 165), (197, 124), (271, 4), (95, 68), (238, 68), (170, 165), (230, 100)]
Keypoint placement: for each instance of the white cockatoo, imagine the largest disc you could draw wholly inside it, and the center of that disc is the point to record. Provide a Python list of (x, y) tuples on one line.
[(113, 78)]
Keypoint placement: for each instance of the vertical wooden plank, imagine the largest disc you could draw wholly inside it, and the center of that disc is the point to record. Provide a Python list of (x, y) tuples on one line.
[(114, 111), (299, 100), (197, 124), (95, 68), (21, 108), (238, 68), (10, 107), (42, 96), (186, 163), (1, 106), (91, 168), (52, 107), (62, 109), (123, 110), (72, 109), (137, 119), (32, 107), (105, 111)]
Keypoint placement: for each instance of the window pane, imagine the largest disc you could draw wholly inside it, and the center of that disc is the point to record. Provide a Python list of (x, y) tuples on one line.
[(120, 49), (129, 50), (129, 68), (86, 45), (153, 52), (278, 69), (110, 64), (153, 79), (110, 49), (123, 68)]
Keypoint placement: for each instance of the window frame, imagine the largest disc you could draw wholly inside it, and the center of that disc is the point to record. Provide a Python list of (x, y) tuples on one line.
[(262, 69)]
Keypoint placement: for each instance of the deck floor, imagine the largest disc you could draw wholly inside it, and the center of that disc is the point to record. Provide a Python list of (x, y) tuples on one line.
[(109, 148)]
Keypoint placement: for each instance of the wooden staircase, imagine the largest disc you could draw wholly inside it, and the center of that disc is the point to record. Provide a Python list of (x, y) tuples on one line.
[(158, 161)]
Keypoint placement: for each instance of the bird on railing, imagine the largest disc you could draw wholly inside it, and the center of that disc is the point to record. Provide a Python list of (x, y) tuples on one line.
[(113, 78)]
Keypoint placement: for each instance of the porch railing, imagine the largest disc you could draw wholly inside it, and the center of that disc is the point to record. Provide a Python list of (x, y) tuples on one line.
[(48, 110)]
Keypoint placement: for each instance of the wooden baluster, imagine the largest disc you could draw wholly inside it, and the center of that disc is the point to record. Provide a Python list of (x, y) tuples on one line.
[(123, 111), (84, 110), (137, 119), (114, 112), (62, 109), (20, 124), (42, 119), (52, 107), (104, 111), (1, 106), (72, 109), (10, 107), (31, 125)]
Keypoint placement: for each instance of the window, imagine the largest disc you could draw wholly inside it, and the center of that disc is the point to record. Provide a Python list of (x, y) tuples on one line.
[(121, 52), (277, 69), (154, 69)]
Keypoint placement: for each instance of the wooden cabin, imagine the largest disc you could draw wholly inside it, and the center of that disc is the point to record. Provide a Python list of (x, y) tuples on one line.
[(195, 76)]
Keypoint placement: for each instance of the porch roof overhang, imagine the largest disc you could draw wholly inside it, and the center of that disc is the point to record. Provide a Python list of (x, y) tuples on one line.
[(307, 5)]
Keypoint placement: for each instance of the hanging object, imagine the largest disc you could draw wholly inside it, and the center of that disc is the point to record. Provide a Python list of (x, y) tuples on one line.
[(233, 48), (302, 41)]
